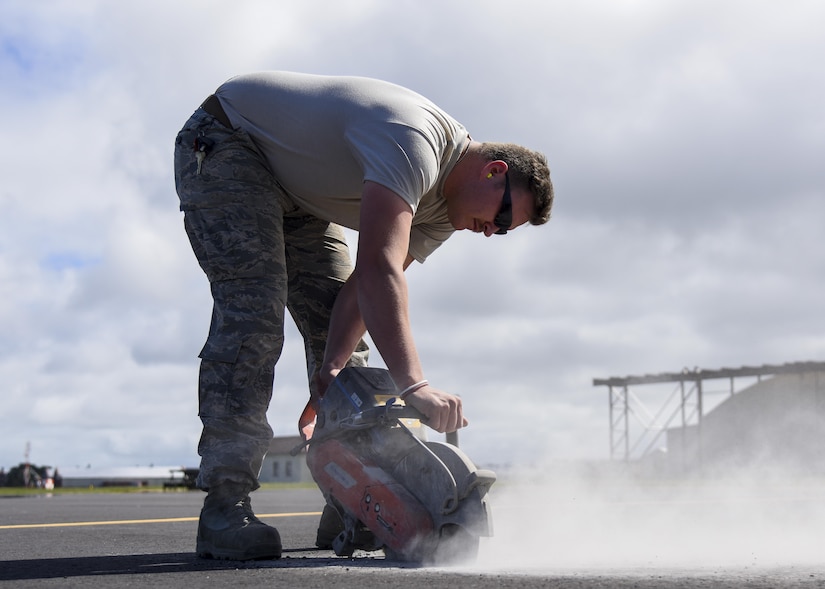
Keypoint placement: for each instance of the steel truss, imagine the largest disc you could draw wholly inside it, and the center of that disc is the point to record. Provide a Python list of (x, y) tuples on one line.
[(691, 390)]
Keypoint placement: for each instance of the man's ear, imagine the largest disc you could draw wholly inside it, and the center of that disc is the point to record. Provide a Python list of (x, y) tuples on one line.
[(494, 168)]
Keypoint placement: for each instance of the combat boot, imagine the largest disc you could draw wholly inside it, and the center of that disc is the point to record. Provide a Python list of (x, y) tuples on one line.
[(229, 530), (329, 527)]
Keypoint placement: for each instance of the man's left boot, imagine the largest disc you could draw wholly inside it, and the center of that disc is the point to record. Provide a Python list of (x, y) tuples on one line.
[(229, 530)]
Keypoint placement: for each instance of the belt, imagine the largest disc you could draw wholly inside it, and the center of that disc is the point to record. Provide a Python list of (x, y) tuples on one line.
[(213, 107)]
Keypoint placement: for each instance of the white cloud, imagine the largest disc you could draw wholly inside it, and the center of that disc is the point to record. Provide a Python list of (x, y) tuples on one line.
[(685, 141)]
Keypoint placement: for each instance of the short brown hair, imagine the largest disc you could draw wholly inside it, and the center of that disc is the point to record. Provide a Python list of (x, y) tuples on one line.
[(527, 169)]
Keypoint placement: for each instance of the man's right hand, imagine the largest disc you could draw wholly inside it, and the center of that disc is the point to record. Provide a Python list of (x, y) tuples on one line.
[(443, 411), (322, 379)]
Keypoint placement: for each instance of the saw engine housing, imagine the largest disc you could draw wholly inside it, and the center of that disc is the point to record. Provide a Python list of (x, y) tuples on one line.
[(419, 501)]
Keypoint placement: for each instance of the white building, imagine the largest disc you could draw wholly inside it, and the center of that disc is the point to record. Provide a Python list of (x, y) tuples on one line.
[(128, 476), (280, 466)]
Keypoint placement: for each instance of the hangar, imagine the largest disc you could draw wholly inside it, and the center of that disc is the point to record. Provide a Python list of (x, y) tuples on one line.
[(776, 420)]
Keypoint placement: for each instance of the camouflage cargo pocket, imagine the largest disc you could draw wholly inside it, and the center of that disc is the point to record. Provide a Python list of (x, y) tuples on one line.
[(226, 240)]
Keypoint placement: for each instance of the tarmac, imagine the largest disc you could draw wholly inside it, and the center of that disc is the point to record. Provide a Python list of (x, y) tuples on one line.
[(547, 537)]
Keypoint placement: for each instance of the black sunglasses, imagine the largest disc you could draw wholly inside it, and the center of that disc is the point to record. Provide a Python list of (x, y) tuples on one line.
[(504, 218)]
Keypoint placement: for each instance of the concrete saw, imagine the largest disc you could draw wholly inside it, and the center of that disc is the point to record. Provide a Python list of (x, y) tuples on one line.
[(386, 486)]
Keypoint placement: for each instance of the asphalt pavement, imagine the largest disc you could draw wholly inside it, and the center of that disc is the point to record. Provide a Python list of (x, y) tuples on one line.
[(147, 540)]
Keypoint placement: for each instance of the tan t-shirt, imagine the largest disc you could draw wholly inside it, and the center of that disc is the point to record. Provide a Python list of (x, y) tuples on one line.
[(323, 136)]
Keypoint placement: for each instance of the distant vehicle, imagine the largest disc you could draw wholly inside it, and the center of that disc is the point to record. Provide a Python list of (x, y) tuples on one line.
[(182, 478)]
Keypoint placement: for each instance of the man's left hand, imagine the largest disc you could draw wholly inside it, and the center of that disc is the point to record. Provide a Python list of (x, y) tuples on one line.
[(443, 411)]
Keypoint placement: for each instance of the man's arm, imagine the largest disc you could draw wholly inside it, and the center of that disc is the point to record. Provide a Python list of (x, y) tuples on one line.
[(378, 289), (346, 327)]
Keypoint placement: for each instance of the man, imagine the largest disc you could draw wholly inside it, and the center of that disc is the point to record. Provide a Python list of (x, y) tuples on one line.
[(267, 171)]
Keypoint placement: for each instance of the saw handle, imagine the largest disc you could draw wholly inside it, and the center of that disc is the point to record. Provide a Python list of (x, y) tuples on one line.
[(390, 412), (387, 414)]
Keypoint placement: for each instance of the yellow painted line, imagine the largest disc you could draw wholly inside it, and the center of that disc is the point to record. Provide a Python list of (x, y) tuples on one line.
[(141, 521)]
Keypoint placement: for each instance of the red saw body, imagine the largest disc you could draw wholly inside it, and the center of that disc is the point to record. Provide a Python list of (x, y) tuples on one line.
[(388, 488)]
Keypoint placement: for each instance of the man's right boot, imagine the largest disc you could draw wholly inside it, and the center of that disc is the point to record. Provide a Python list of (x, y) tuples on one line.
[(229, 530), (329, 527)]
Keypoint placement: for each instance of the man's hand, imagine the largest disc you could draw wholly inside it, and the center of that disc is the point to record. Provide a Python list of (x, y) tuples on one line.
[(442, 410), (323, 379)]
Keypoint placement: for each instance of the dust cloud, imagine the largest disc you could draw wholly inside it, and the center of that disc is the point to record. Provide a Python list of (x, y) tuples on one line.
[(591, 516)]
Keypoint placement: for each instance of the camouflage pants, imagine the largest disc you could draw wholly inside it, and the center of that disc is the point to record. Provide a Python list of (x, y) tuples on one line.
[(261, 255)]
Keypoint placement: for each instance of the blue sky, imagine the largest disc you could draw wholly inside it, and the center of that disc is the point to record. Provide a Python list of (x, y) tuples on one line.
[(686, 141)]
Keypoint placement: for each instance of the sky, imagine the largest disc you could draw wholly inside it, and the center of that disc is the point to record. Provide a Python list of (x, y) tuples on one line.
[(685, 140)]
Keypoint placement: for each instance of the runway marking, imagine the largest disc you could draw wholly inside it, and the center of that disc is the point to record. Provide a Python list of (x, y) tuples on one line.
[(142, 521)]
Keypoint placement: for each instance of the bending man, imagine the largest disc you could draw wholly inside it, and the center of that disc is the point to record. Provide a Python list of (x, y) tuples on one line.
[(268, 169)]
